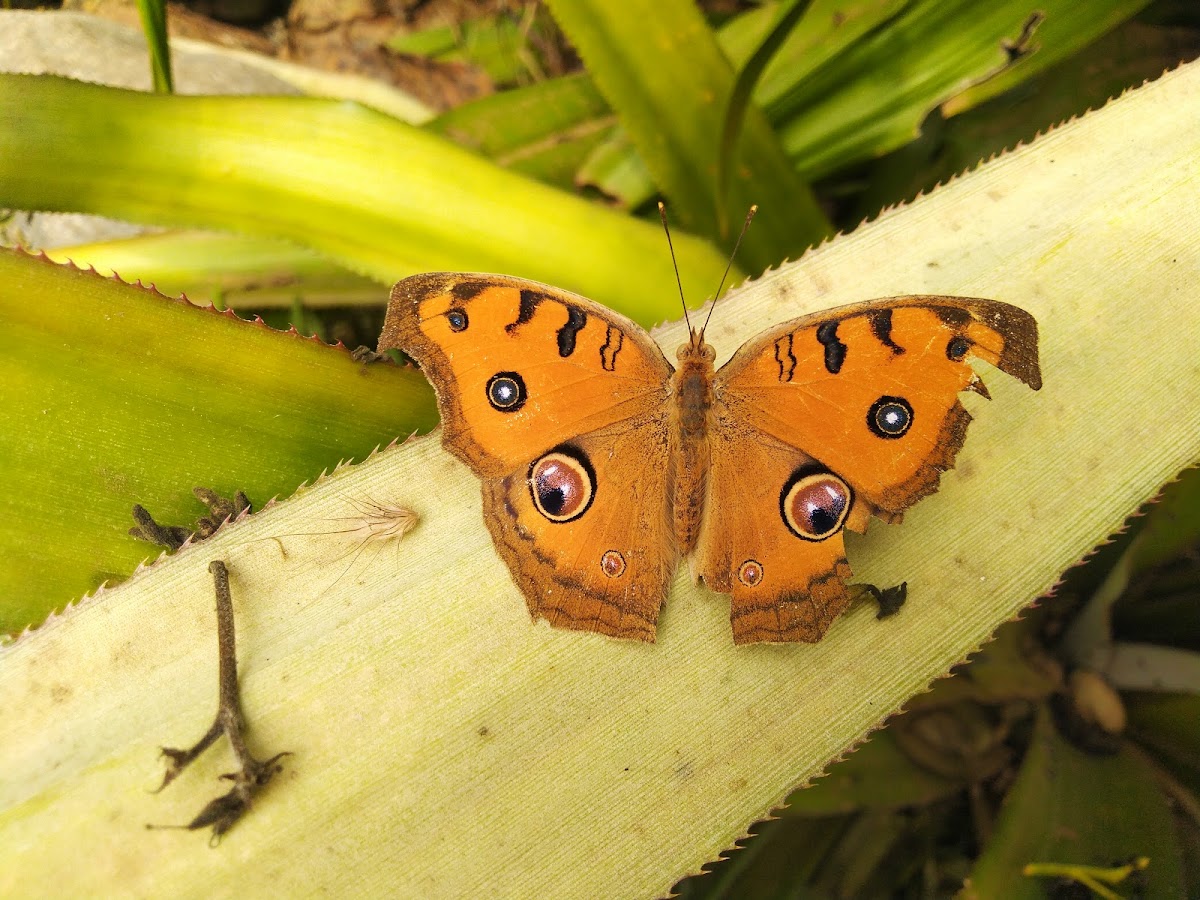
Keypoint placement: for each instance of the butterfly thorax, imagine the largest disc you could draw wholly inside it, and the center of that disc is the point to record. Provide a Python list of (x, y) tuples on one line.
[(691, 404)]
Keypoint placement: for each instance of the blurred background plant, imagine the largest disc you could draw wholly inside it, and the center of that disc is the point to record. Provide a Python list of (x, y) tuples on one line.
[(1063, 760)]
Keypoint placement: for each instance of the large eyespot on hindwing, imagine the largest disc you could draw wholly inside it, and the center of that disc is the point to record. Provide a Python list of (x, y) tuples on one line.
[(890, 417), (814, 504), (506, 391), (562, 484)]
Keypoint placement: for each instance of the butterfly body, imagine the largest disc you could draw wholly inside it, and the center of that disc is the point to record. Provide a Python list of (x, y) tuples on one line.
[(602, 465), (691, 406)]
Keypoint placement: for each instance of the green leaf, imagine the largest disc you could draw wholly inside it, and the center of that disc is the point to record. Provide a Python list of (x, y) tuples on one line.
[(545, 130), (499, 44), (1001, 671), (856, 80), (792, 849), (1170, 528), (115, 395), (1172, 618), (612, 166), (382, 197), (660, 67), (1128, 55), (1071, 807), (873, 98), (878, 775), (1065, 28), (739, 101), (434, 42), (830, 27), (1161, 574), (1172, 523), (1169, 724)]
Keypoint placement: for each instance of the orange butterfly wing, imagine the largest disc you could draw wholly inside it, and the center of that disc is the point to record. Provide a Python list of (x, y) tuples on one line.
[(560, 407), (834, 417)]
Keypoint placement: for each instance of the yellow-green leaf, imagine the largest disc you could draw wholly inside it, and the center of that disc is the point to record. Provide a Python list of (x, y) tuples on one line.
[(660, 67)]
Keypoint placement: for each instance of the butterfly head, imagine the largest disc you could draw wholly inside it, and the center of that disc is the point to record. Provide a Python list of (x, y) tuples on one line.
[(696, 351)]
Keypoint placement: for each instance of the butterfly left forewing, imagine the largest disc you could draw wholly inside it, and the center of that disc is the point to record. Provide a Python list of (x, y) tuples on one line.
[(859, 407), (573, 365), (871, 390)]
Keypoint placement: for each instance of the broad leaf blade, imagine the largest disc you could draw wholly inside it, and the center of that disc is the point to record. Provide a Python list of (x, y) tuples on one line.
[(873, 98), (856, 80), (1071, 807), (226, 269), (739, 101), (878, 775), (1066, 27), (544, 130)]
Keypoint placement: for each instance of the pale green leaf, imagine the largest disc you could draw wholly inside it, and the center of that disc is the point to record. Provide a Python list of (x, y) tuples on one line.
[(226, 269)]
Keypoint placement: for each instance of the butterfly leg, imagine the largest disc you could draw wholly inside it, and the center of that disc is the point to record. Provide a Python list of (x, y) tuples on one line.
[(890, 599), (365, 354), (223, 812)]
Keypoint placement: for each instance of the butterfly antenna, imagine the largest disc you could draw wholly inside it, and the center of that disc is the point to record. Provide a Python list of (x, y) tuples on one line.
[(729, 265), (662, 214)]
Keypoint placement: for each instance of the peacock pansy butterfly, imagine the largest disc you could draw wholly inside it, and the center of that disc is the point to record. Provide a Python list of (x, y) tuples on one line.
[(603, 465)]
